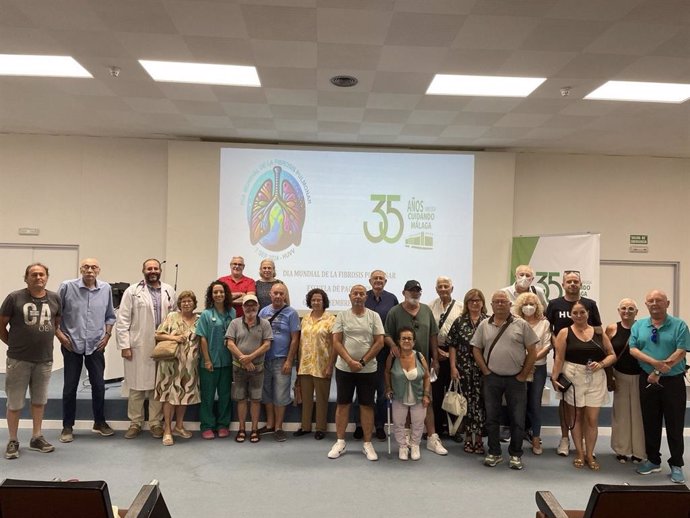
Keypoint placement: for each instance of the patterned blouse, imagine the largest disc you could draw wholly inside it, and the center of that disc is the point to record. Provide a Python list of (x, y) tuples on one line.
[(315, 348)]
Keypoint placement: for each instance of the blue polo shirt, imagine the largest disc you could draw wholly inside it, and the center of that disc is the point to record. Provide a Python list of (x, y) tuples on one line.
[(671, 336), (382, 305)]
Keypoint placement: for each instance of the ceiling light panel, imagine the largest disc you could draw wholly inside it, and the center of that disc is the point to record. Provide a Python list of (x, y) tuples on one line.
[(201, 73), (641, 92), (483, 86), (41, 66)]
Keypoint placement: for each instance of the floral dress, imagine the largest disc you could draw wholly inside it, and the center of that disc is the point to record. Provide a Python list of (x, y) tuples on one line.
[(459, 336), (177, 381)]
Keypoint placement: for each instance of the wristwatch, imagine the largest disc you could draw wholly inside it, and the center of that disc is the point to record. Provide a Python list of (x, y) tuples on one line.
[(362, 362), (656, 372)]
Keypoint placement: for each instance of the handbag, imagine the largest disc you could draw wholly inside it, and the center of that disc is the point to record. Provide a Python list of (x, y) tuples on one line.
[(165, 350), (454, 403), (564, 382)]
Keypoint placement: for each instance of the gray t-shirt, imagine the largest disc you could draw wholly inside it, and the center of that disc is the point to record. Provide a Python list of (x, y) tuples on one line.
[(508, 355), (32, 327), (249, 339), (358, 336)]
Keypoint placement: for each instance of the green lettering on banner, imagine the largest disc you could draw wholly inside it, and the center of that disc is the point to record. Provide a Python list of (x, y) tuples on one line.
[(395, 214)]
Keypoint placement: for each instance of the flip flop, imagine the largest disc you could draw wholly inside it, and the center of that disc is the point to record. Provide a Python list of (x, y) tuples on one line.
[(254, 436), (241, 436), (468, 448), (578, 463), (593, 465)]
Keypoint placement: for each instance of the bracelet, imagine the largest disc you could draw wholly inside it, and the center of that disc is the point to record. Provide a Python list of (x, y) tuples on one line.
[(426, 394), (109, 334)]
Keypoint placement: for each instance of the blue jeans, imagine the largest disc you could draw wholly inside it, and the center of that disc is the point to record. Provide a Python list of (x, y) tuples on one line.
[(535, 389), (495, 387), (276, 384), (95, 365)]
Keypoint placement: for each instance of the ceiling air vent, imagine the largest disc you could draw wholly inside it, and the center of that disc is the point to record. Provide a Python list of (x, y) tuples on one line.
[(344, 81)]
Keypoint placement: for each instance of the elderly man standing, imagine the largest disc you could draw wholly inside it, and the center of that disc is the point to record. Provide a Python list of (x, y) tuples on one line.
[(504, 348), (445, 310), (86, 326), (279, 359), (381, 301), (144, 306), (415, 315), (660, 343), (33, 315), (524, 276), (357, 338), (240, 285)]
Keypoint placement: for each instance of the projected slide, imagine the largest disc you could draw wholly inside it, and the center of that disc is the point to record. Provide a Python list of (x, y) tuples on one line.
[(328, 218)]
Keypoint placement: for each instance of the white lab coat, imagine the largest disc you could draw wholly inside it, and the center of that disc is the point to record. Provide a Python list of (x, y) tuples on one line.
[(136, 329)]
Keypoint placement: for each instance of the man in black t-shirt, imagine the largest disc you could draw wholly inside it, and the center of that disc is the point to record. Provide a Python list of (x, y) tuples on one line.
[(558, 315), (28, 320)]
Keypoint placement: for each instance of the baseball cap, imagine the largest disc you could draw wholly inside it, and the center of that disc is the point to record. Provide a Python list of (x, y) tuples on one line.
[(412, 285), (248, 298)]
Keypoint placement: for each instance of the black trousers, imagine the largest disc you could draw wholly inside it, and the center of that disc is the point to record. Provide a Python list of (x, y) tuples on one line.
[(665, 405)]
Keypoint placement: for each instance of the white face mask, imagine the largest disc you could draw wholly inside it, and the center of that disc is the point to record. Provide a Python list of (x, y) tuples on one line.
[(524, 282), (529, 309)]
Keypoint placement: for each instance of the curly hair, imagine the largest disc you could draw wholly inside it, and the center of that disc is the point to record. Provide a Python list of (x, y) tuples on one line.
[(227, 303), (324, 296), (525, 298)]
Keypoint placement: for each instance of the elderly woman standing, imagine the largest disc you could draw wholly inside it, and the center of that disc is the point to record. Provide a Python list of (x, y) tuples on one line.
[(627, 432), (215, 375), (177, 380), (267, 272), (529, 307), (582, 356), (316, 360), (464, 368), (445, 310)]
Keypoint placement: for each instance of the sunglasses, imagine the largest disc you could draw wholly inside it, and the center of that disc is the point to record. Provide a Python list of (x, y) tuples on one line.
[(655, 335)]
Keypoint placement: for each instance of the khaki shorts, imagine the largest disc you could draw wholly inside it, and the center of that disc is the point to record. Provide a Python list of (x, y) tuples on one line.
[(22, 375), (247, 385)]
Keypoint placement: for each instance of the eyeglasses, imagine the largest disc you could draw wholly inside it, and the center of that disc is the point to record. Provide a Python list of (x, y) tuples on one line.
[(93, 267), (500, 302), (474, 301), (239, 265), (655, 335), (415, 324), (406, 339), (628, 308)]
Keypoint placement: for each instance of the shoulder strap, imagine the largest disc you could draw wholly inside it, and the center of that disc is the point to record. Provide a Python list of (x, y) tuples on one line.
[(443, 318), (274, 315), (533, 289), (493, 344)]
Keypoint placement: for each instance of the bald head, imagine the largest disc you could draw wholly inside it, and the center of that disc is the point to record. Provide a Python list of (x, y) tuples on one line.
[(89, 269), (657, 304)]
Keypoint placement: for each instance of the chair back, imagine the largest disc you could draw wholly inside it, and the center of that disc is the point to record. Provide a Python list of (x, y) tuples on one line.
[(616, 501)]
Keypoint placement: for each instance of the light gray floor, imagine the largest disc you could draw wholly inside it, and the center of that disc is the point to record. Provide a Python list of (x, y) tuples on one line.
[(222, 478)]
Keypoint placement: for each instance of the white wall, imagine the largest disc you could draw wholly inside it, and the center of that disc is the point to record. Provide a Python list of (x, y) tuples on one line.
[(612, 195), (109, 196)]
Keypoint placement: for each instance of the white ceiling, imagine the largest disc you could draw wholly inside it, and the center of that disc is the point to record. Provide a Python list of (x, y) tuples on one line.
[(394, 47)]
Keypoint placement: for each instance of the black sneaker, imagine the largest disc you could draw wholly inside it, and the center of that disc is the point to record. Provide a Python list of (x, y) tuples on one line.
[(102, 429), (40, 444), (280, 436), (12, 451), (300, 433), (380, 434), (359, 433)]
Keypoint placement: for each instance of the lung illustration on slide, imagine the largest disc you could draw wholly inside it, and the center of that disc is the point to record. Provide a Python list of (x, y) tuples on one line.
[(276, 211)]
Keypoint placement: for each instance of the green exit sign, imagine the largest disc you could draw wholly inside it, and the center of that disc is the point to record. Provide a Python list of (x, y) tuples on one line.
[(638, 239)]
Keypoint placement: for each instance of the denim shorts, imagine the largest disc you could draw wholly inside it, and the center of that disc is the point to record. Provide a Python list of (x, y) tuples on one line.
[(22, 375), (245, 384), (276, 384)]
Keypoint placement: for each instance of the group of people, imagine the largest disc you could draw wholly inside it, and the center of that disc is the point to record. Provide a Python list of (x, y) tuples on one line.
[(244, 344)]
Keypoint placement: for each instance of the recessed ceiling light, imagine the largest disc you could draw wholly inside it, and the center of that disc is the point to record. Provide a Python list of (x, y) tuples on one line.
[(344, 81), (641, 92), (41, 66), (484, 86), (201, 73)]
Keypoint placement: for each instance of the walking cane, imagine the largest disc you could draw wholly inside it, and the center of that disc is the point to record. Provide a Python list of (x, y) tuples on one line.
[(389, 425)]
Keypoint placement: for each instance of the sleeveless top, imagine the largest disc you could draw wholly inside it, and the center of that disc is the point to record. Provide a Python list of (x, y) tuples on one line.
[(626, 363), (402, 386), (577, 351)]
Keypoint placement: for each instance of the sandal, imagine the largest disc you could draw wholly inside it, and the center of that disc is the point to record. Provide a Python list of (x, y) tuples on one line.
[(578, 463), (479, 448), (241, 436), (254, 436), (468, 448), (593, 465)]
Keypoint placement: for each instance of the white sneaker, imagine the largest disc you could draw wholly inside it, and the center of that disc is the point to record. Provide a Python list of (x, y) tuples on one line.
[(415, 454), (337, 450), (404, 453), (563, 447), (433, 443), (369, 451)]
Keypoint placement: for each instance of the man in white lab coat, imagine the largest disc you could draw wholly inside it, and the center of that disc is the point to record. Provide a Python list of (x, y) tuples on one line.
[(144, 306)]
